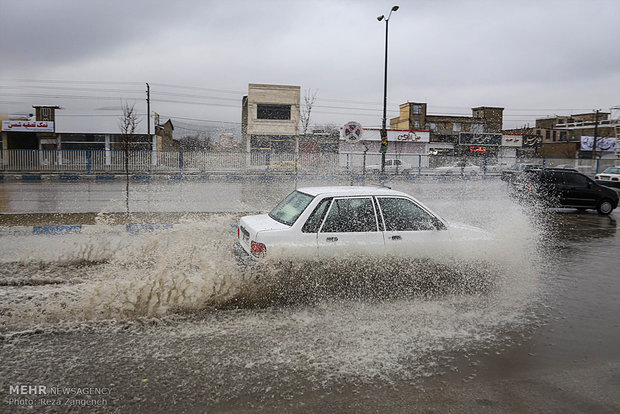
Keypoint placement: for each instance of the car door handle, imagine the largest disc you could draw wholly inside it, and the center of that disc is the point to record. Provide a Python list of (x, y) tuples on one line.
[(332, 239), (396, 238)]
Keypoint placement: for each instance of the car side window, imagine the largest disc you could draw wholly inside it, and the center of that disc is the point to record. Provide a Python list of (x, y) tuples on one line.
[(576, 180), (400, 214), (350, 215), (315, 219)]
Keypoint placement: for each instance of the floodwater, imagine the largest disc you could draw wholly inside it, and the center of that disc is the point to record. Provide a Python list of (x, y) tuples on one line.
[(167, 322)]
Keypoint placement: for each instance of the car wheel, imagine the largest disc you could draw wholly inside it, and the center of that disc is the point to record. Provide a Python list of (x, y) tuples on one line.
[(605, 207)]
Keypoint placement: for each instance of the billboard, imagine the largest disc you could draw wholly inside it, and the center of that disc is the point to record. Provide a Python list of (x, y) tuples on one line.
[(512, 140), (489, 139), (393, 135), (602, 144), (27, 126)]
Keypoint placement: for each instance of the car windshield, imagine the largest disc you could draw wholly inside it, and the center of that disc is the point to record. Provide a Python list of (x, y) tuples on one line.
[(289, 209), (612, 170)]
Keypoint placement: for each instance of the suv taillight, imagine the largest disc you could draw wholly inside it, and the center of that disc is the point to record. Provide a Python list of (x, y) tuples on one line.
[(258, 249), (615, 179)]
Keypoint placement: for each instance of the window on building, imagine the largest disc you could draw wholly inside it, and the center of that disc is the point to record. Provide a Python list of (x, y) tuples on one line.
[(477, 128), (538, 132), (560, 121), (554, 135), (416, 124), (563, 135), (417, 109), (271, 111), (456, 127), (433, 126), (547, 135)]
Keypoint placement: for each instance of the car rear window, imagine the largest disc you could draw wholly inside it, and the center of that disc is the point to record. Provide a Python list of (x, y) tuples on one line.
[(289, 209)]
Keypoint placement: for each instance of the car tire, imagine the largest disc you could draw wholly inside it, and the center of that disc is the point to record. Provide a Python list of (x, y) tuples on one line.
[(605, 207)]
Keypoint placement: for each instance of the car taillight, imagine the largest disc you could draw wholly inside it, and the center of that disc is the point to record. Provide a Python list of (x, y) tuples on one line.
[(615, 179), (258, 249), (596, 177), (238, 232)]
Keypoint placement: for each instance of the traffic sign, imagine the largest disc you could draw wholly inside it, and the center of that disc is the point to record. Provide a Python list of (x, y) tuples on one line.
[(353, 131)]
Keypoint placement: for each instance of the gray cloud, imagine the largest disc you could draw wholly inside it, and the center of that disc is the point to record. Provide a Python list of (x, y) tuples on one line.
[(449, 53)]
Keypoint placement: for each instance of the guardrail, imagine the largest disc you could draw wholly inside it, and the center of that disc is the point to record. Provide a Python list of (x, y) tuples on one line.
[(102, 162)]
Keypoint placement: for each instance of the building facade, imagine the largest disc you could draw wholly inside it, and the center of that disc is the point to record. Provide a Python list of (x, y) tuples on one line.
[(270, 118), (454, 134), (572, 136)]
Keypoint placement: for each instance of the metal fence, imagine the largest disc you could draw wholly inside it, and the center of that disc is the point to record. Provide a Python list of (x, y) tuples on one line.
[(187, 162)]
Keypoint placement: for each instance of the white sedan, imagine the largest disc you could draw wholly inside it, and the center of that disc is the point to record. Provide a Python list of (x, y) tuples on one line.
[(610, 177), (324, 222), (459, 168)]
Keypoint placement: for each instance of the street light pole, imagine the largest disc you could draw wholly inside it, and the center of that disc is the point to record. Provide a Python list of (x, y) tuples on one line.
[(384, 142)]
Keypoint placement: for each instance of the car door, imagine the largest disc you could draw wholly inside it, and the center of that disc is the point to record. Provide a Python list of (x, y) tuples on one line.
[(580, 191), (351, 228), (409, 230)]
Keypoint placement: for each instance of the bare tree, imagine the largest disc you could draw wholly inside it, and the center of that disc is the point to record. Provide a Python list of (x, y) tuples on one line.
[(128, 123), (306, 109)]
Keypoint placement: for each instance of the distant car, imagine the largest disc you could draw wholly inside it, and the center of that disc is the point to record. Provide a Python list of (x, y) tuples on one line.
[(328, 222), (610, 177), (458, 168), (391, 167), (556, 187), (513, 172), (285, 166)]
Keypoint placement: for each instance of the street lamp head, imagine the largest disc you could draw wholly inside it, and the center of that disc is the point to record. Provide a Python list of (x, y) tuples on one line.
[(380, 17), (394, 8)]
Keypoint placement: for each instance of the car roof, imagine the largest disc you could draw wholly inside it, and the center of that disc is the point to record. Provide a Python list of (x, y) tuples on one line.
[(350, 191)]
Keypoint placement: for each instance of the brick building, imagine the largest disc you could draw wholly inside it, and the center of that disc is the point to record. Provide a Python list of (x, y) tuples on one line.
[(447, 131)]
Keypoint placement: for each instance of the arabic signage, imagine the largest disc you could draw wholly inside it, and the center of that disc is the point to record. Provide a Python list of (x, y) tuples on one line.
[(489, 140), (512, 140), (393, 135), (602, 144), (532, 140), (27, 126)]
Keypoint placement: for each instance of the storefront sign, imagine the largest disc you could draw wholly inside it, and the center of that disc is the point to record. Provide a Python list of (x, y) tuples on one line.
[(512, 140), (393, 135), (27, 126), (468, 138)]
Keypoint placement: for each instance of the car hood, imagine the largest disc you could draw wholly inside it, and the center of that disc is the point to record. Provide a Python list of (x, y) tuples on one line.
[(460, 231)]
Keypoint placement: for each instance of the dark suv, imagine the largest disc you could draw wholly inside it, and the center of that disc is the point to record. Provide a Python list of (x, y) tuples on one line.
[(565, 188)]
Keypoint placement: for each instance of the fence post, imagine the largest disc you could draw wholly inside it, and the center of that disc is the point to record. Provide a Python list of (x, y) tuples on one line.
[(419, 164), (88, 161), (347, 161), (598, 160), (181, 161)]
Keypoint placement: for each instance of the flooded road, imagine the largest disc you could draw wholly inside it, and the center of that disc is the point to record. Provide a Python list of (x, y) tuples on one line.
[(167, 322)]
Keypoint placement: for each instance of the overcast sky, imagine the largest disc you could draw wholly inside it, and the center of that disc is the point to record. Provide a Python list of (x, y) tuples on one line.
[(534, 58)]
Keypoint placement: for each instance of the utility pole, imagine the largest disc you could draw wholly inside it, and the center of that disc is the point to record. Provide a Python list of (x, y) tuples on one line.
[(148, 109), (595, 134)]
